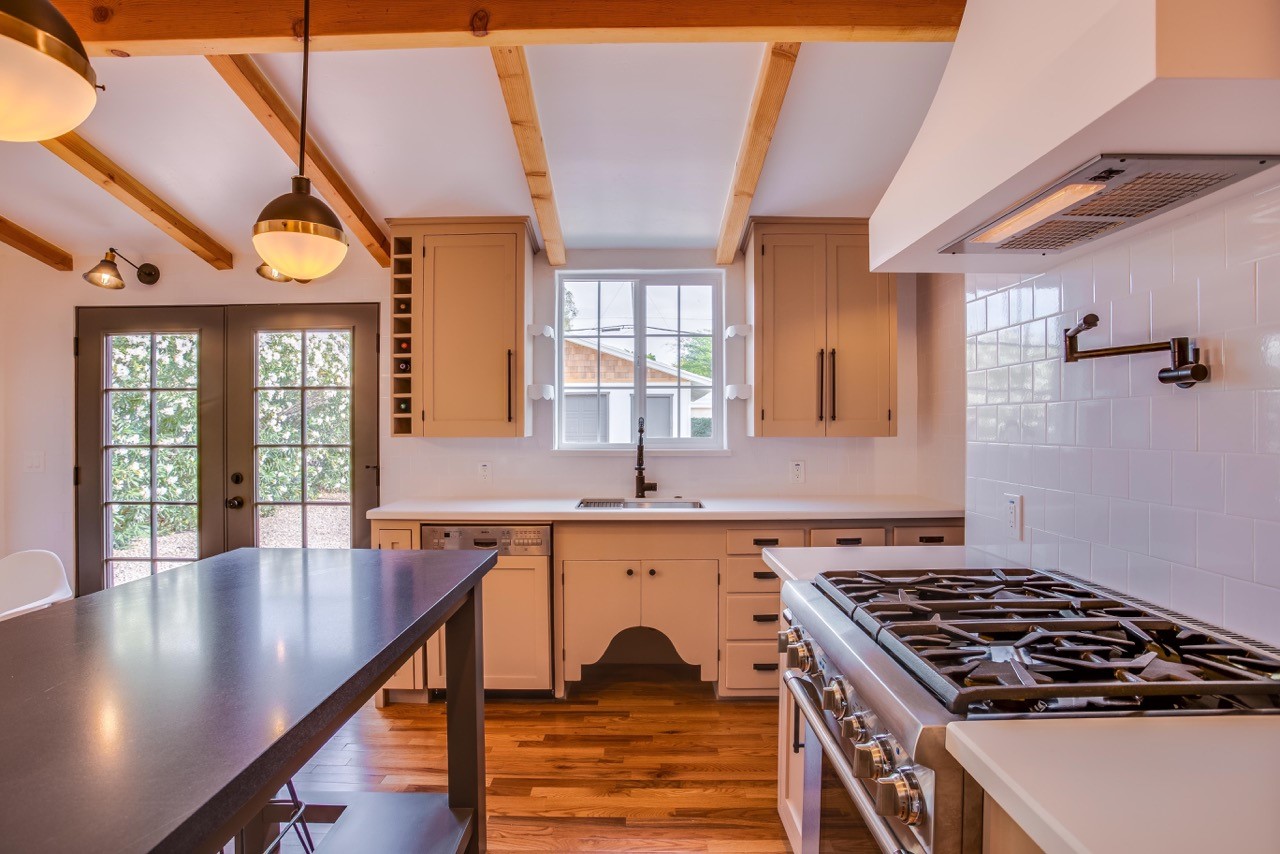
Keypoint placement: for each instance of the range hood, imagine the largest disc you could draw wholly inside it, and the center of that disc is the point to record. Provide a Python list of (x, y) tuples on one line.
[(1036, 92), (1105, 195)]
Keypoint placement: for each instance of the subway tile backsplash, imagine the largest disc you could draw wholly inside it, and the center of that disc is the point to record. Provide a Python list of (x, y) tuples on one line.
[(1170, 494)]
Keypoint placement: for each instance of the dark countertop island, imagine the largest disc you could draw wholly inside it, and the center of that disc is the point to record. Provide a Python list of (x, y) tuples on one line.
[(160, 715)]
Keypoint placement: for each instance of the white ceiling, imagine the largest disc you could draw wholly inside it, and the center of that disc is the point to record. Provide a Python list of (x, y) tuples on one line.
[(641, 140)]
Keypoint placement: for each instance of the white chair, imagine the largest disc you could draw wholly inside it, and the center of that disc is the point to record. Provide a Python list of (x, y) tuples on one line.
[(30, 581)]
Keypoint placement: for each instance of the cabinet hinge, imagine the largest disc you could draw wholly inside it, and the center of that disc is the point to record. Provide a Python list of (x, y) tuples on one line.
[(75, 475), (75, 346)]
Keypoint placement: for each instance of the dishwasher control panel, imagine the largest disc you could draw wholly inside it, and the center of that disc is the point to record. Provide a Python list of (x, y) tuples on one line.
[(532, 540)]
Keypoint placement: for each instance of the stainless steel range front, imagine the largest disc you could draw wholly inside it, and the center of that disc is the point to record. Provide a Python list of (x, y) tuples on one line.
[(879, 662)]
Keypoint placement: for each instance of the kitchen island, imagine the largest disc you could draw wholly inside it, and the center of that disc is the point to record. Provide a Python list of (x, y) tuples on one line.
[(164, 714)]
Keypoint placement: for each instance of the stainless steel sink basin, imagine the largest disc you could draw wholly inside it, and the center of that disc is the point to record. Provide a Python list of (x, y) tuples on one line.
[(637, 504)]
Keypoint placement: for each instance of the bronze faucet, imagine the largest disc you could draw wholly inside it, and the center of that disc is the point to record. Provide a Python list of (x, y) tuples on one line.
[(642, 486)]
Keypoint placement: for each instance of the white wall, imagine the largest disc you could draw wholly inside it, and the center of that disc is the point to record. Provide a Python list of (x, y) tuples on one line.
[(37, 401), (940, 307), (1170, 494)]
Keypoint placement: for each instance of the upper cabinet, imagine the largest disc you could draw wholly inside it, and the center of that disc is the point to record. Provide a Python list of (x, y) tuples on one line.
[(460, 308), (824, 360)]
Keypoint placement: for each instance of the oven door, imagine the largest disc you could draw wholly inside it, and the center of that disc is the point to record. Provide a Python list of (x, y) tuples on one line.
[(847, 820)]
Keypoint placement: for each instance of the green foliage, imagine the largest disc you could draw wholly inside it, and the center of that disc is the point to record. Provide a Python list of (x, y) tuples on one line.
[(700, 428), (696, 355)]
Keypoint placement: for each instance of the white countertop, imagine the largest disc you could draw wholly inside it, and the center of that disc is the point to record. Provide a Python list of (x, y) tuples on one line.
[(1186, 785), (805, 564), (764, 508)]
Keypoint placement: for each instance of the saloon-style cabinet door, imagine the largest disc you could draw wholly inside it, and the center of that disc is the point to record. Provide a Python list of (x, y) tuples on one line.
[(601, 598), (824, 354), (677, 598)]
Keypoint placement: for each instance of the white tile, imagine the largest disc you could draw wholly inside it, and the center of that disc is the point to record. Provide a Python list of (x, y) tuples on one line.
[(1197, 480), (1111, 377), (1018, 552), (1093, 518), (1144, 375), (1009, 346), (1045, 466), (1131, 422), (1228, 298), (1060, 512), (1111, 472), (1131, 319), (987, 350), (1174, 422), (1110, 567), (1010, 425), (998, 310), (1253, 486), (997, 462), (1268, 403), (1111, 273), (1077, 284), (1044, 550), (1060, 423), (997, 385), (1021, 382), (1151, 476), (1033, 507), (1173, 534), (1033, 423), (1269, 291), (1033, 338), (975, 317), (1053, 329), (1021, 305), (1093, 423), (1047, 294), (1149, 579), (1077, 469), (1077, 381), (1199, 247), (1020, 470), (1046, 382), (1266, 558), (1251, 226), (1130, 525), (1251, 609), (1226, 421), (1175, 311), (1073, 557), (1224, 544), (1251, 358), (1196, 593), (1151, 261)]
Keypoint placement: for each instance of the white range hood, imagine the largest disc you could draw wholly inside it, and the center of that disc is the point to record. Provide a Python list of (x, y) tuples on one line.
[(1036, 89)]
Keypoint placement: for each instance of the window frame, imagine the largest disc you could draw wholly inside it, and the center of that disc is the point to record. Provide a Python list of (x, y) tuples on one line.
[(642, 280)]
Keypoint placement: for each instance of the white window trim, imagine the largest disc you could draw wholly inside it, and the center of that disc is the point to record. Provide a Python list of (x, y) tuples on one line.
[(714, 445)]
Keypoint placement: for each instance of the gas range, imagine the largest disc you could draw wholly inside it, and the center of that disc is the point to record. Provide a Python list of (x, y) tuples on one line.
[(883, 660)]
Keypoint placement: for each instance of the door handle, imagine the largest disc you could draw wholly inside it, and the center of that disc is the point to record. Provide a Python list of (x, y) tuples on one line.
[(833, 384), (631, 572), (235, 503), (822, 383), (653, 572)]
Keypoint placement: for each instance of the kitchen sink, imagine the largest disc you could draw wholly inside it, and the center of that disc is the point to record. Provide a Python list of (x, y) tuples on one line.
[(637, 504)]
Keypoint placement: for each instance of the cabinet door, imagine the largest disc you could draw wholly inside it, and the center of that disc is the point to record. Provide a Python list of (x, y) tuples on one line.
[(601, 598), (791, 335), (861, 341), (410, 675), (469, 335), (680, 600), (394, 538)]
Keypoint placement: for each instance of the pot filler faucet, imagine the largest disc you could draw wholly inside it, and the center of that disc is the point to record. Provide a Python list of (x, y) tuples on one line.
[(643, 487)]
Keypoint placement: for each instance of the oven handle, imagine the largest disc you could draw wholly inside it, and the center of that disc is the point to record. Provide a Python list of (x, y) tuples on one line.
[(806, 700)]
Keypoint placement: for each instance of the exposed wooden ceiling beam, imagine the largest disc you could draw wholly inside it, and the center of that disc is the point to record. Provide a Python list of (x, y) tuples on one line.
[(766, 104), (517, 91), (106, 173), (34, 245), (156, 27), (246, 79)]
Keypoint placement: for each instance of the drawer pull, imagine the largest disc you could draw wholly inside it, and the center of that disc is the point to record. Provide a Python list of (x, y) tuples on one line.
[(763, 575), (764, 618), (765, 541), (848, 541), (765, 666), (933, 539)]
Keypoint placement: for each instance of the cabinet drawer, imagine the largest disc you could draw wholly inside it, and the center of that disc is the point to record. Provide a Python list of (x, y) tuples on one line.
[(847, 537), (749, 575), (751, 664), (751, 542), (952, 535), (751, 616)]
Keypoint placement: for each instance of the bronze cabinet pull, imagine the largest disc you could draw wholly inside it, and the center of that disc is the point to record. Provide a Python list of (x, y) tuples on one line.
[(510, 371), (833, 384), (763, 575), (765, 618), (822, 384)]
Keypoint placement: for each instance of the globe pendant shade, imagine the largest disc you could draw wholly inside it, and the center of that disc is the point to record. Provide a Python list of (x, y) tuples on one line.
[(47, 87), (298, 236)]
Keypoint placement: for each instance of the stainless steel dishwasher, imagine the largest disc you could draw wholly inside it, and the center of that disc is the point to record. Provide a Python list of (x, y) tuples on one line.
[(515, 604)]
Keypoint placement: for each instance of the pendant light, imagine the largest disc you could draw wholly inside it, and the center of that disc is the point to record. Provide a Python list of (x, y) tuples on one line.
[(297, 235), (47, 86), (106, 273)]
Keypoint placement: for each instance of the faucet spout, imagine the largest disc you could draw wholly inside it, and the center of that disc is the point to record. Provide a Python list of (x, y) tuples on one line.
[(643, 487)]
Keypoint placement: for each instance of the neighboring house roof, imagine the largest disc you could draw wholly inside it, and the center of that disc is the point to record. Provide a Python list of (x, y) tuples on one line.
[(652, 365)]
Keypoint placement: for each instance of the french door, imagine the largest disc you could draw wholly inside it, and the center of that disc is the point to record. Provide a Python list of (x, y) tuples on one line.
[(202, 429)]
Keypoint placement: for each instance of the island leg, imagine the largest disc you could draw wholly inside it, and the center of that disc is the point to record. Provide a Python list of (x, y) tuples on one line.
[(464, 684)]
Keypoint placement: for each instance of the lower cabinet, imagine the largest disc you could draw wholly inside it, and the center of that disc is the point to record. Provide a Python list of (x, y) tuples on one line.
[(604, 597), (794, 774)]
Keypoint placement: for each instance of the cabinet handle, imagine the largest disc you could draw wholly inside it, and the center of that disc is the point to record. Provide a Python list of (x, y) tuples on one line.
[(765, 541), (510, 370), (765, 618), (822, 383), (763, 575), (653, 572), (768, 665), (848, 541), (933, 540), (833, 384), (631, 572)]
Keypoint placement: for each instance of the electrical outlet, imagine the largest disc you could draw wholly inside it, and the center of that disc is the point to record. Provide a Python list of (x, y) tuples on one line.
[(1013, 515), (33, 461), (797, 471), (485, 472)]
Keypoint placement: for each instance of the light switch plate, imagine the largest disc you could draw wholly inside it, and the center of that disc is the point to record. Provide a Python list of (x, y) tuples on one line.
[(33, 461), (797, 471), (1013, 515)]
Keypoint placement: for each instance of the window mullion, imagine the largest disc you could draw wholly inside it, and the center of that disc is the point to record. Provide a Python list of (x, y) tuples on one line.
[(640, 383)]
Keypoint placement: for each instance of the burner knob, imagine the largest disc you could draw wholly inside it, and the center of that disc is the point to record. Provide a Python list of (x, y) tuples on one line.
[(898, 796), (786, 638), (835, 698), (800, 656), (855, 726), (872, 758)]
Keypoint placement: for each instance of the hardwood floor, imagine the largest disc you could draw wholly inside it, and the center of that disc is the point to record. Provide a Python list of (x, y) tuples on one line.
[(638, 759)]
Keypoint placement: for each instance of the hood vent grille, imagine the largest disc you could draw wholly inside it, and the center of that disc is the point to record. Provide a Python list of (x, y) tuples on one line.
[(1134, 188)]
